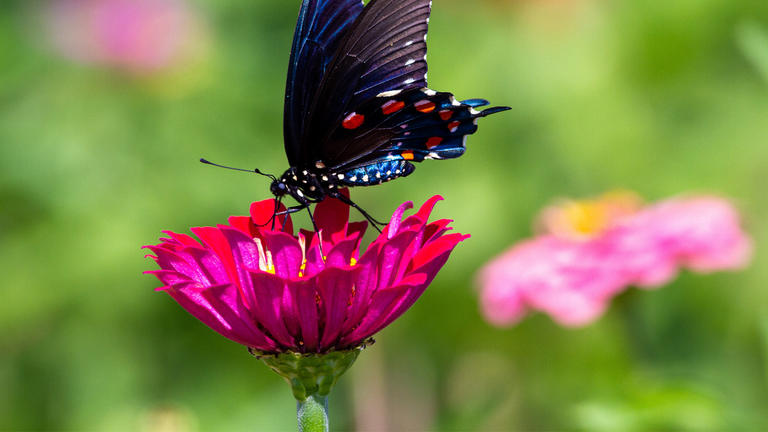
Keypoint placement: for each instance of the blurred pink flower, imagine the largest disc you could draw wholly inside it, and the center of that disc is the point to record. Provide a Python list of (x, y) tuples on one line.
[(136, 36), (274, 292), (590, 251)]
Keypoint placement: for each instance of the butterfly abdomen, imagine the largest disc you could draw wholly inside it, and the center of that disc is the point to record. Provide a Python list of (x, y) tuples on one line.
[(375, 173)]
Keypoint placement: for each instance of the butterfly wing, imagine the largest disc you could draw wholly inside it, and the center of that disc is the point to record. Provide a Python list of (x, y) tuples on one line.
[(384, 49), (321, 26), (424, 125), (373, 103)]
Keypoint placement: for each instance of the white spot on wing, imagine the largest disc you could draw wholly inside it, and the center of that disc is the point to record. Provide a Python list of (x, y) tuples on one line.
[(410, 62), (409, 81), (389, 93)]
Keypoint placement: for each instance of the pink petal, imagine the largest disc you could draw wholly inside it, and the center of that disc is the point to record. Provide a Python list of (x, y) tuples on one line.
[(215, 241), (381, 307), (331, 216), (244, 224), (437, 248), (341, 254), (246, 257), (223, 316), (315, 262), (183, 239), (436, 229), (169, 278), (335, 287), (704, 231), (303, 292), (286, 253), (571, 308), (414, 286), (365, 285), (225, 300), (357, 230), (426, 209), (263, 212), (390, 257), (568, 280), (394, 224), (268, 310), (179, 261), (502, 303), (212, 271)]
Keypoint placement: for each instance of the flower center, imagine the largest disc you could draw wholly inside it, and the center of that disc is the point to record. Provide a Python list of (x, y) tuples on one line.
[(585, 219), (266, 264)]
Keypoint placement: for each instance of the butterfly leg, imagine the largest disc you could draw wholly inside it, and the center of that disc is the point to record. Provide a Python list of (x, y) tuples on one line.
[(291, 210), (376, 224), (299, 208)]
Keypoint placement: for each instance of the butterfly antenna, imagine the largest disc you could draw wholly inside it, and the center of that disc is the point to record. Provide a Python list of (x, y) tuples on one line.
[(255, 170)]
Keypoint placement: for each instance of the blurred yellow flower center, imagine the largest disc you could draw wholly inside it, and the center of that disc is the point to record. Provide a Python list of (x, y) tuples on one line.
[(585, 219)]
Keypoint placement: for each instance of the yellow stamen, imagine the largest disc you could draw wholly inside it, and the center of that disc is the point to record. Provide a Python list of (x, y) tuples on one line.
[(587, 218), (265, 257)]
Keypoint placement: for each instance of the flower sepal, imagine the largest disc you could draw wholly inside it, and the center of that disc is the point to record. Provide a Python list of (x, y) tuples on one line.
[(311, 374)]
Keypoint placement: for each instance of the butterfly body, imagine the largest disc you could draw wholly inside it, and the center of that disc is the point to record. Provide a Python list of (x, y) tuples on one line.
[(358, 110)]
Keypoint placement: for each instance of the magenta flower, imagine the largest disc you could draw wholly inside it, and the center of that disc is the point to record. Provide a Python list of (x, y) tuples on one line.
[(306, 304), (136, 36), (590, 251), (274, 292)]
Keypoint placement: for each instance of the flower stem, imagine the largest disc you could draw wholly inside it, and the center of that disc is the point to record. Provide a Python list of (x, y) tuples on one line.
[(312, 414)]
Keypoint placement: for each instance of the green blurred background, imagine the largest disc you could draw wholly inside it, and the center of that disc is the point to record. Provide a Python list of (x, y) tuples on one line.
[(657, 96)]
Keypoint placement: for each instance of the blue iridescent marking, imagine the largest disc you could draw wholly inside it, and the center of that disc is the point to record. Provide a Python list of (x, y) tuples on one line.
[(379, 171)]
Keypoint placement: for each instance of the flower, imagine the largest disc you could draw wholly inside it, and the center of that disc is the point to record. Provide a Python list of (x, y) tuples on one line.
[(139, 37), (274, 291), (589, 251)]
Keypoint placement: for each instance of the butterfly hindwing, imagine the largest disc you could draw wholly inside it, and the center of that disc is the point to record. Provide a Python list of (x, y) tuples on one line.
[(422, 124), (321, 26)]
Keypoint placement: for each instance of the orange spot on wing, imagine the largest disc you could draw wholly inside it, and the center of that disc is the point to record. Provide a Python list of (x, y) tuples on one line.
[(446, 114), (407, 155), (392, 106), (434, 141), (453, 125), (424, 106), (353, 121)]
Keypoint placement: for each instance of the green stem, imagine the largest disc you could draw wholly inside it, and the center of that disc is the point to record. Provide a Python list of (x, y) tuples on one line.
[(313, 414)]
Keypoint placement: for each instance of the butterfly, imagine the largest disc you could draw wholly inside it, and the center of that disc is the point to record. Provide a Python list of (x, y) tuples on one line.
[(358, 111)]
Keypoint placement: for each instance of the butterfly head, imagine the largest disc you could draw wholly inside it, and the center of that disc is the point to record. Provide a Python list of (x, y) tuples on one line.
[(279, 187)]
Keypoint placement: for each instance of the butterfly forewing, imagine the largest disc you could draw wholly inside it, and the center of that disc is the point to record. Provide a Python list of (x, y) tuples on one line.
[(321, 26), (384, 50)]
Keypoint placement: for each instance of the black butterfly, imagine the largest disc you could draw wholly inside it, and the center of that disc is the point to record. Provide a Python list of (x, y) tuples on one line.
[(357, 107)]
